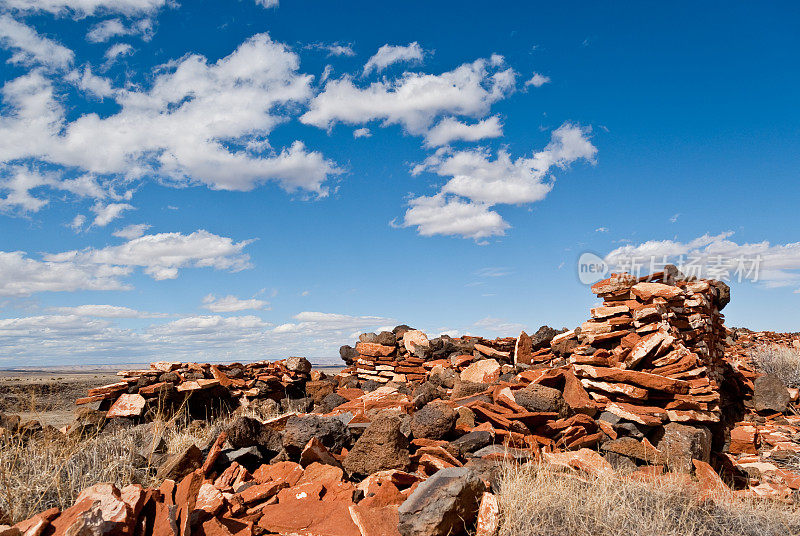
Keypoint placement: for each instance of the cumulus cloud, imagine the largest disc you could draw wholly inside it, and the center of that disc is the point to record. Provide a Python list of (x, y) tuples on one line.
[(537, 80), (391, 54), (108, 29), (715, 256), (83, 8), (450, 129), (440, 215), (267, 3), (23, 276), (499, 326), (316, 322), (414, 100), (117, 51), (362, 133), (30, 47), (199, 123), (19, 183), (106, 213), (231, 304), (162, 255), (477, 182)]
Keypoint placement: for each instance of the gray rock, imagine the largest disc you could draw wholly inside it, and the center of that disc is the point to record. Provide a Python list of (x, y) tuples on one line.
[(400, 330), (444, 377), (331, 401), (446, 503), (770, 394), (248, 457), (471, 442), (682, 442), (298, 364), (381, 446), (543, 336), (368, 337), (462, 389), (424, 393), (434, 421), (386, 338), (466, 417), (348, 354), (248, 432), (537, 397), (300, 429)]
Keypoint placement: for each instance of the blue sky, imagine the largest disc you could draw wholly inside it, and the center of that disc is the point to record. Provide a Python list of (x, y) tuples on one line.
[(252, 179)]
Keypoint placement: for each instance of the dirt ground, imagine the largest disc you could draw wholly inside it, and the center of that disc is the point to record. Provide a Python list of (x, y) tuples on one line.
[(48, 394)]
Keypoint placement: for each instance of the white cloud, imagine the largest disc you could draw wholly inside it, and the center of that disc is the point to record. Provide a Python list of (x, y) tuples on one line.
[(231, 304), (450, 129), (499, 326), (309, 322), (477, 183), (78, 222), (438, 214), (267, 3), (22, 276), (132, 231), (107, 29), (116, 51), (601, 230), (106, 213), (104, 311), (89, 82), (413, 100), (674, 218), (162, 255), (494, 271), (362, 133), (18, 182), (192, 126), (333, 49), (390, 54), (718, 257), (537, 80), (83, 8), (31, 47)]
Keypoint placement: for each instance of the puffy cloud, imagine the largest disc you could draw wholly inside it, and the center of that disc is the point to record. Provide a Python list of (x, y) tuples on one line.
[(390, 54), (23, 276), (17, 182), (328, 326), (450, 129), (413, 100), (116, 51), (438, 214), (537, 80), (132, 231), (362, 133), (90, 83), (231, 304), (107, 29), (715, 256), (267, 3), (83, 8), (478, 182), (162, 255), (333, 49), (499, 326), (31, 47), (198, 123), (104, 311), (106, 213)]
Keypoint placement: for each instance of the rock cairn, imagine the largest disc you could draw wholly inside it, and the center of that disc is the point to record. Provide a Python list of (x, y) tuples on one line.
[(410, 438)]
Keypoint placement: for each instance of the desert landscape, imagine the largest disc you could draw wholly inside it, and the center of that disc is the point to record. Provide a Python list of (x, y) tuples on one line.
[(650, 417)]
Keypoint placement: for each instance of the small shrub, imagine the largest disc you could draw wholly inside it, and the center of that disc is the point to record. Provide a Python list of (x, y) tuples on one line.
[(782, 361)]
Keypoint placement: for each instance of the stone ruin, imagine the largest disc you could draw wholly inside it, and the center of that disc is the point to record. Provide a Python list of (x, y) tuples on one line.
[(410, 438)]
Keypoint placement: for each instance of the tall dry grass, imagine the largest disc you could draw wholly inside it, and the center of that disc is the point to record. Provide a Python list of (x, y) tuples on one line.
[(538, 500), (782, 361)]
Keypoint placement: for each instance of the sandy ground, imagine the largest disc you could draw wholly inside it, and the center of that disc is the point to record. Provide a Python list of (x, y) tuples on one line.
[(48, 394)]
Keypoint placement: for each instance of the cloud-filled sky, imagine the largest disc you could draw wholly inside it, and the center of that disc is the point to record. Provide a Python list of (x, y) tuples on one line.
[(242, 180)]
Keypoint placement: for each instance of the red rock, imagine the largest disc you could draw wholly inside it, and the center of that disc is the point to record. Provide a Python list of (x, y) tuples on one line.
[(483, 371), (375, 521), (97, 508), (309, 490), (209, 499), (186, 500), (644, 347), (523, 350), (576, 396), (283, 472), (260, 492), (744, 440), (339, 492), (584, 459), (614, 284), (106, 389), (382, 494), (648, 291), (315, 451), (373, 349), (34, 526), (327, 475), (307, 517), (642, 379), (127, 406), (214, 452), (214, 527), (197, 385), (488, 351), (488, 515), (615, 388), (710, 483)]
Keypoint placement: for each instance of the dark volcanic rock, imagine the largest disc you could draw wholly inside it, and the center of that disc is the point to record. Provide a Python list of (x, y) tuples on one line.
[(348, 354), (770, 394), (446, 503), (381, 446), (543, 336), (537, 397), (433, 421), (300, 429)]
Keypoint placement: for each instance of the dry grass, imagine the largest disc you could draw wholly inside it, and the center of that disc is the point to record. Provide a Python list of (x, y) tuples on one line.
[(782, 361), (541, 501), (41, 473)]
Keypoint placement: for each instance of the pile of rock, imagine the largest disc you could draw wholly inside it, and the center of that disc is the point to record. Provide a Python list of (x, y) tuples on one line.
[(205, 388)]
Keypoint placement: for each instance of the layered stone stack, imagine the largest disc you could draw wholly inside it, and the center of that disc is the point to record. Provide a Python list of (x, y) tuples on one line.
[(144, 392)]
